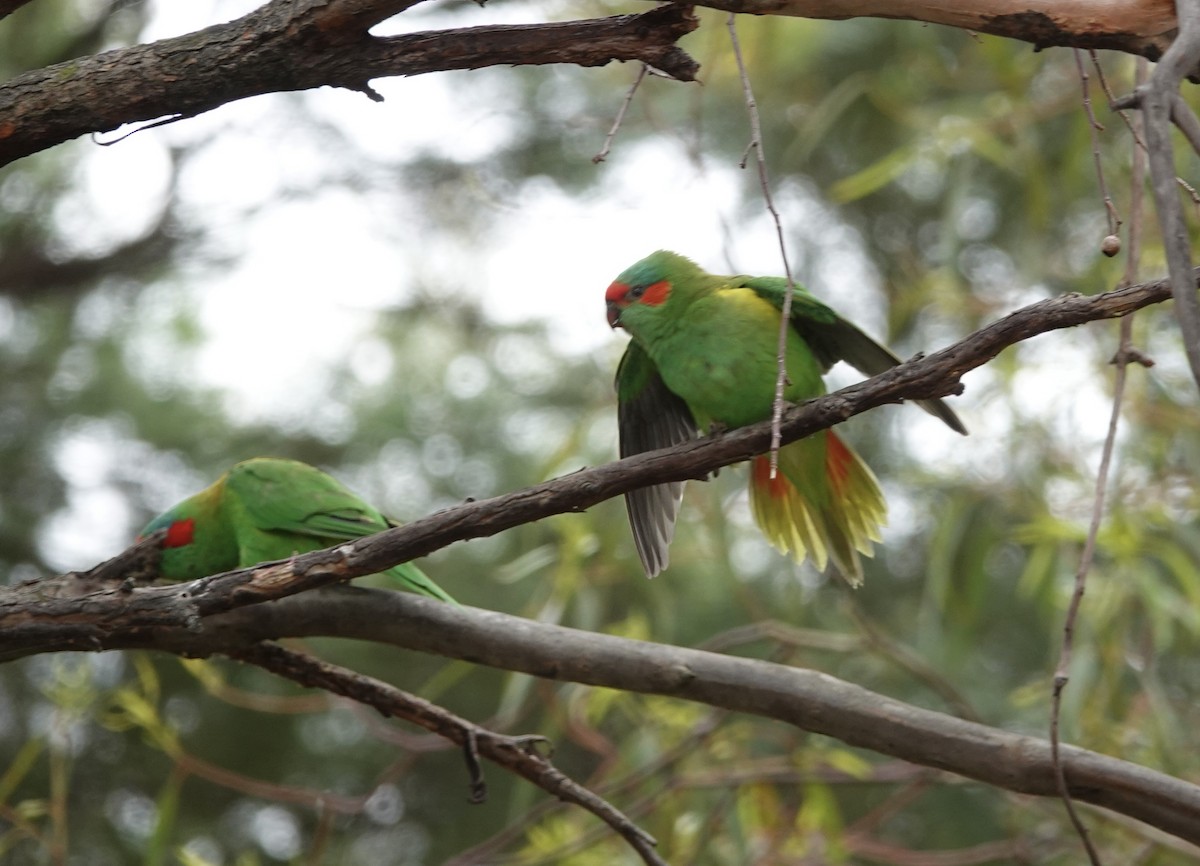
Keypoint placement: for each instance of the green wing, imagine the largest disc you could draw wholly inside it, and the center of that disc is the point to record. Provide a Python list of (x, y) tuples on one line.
[(281, 504), (650, 416), (833, 339)]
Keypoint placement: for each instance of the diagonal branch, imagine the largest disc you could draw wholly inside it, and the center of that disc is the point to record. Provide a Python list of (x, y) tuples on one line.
[(297, 45), (513, 753), (30, 622)]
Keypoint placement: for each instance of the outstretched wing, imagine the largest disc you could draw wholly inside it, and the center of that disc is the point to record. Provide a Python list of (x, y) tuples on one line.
[(834, 339), (650, 416)]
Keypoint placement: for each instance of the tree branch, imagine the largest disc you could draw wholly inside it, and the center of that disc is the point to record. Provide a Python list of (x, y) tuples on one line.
[(290, 45), (809, 700), (1141, 27), (31, 622), (1157, 99), (512, 753), (297, 45)]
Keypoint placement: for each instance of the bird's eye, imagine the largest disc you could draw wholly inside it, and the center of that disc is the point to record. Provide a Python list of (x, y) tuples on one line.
[(637, 291)]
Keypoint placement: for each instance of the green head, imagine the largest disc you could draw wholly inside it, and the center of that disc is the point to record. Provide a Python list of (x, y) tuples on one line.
[(200, 541), (657, 286)]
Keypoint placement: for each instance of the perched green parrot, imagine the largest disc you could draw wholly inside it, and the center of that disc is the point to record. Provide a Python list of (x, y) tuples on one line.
[(704, 352), (266, 509)]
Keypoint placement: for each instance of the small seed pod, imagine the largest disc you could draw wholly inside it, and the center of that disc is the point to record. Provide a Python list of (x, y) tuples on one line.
[(1110, 246)]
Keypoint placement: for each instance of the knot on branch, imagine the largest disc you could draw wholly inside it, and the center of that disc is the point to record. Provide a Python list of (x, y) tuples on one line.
[(669, 22)]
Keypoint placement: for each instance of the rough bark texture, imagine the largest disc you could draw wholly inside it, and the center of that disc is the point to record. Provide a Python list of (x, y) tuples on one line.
[(807, 699), (300, 44), (1142, 27), (297, 45)]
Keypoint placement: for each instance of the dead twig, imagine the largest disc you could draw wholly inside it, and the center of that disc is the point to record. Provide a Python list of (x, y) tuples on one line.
[(625, 103), (785, 323), (1112, 243), (512, 753), (1124, 356)]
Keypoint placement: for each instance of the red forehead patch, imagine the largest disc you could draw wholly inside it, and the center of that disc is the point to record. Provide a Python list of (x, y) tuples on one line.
[(180, 533), (616, 292)]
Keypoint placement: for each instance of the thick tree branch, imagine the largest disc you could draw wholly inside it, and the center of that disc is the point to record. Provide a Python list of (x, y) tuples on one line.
[(300, 44), (807, 699), (31, 622), (297, 45), (1143, 27)]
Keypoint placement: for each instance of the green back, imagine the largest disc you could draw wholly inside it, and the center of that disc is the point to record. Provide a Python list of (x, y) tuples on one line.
[(279, 508), (831, 338)]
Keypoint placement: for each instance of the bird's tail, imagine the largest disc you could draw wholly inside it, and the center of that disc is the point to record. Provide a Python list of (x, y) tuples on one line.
[(413, 579), (824, 503)]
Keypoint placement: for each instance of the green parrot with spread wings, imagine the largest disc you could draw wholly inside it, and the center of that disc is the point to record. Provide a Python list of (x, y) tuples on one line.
[(704, 352)]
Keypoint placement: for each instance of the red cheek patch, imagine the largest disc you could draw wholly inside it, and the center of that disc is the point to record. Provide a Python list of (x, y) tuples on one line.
[(656, 293), (180, 533)]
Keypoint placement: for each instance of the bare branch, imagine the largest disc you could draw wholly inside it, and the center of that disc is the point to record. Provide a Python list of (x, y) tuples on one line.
[(1123, 358), (301, 44), (807, 699), (602, 154), (512, 753), (1112, 244), (297, 45), (1142, 27)]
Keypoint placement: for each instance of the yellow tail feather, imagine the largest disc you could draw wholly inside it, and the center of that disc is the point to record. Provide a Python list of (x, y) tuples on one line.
[(824, 504)]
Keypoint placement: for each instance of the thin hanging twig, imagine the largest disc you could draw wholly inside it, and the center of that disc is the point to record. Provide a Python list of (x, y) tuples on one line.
[(612, 133), (1115, 105), (1124, 356), (1112, 243), (756, 144)]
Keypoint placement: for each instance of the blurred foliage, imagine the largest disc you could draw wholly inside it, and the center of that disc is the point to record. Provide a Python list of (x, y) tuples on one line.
[(957, 169)]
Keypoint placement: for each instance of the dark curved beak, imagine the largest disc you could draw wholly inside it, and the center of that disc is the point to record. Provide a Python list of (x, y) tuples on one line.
[(614, 315)]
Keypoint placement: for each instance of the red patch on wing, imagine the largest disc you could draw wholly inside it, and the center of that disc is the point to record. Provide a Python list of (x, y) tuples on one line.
[(837, 462), (616, 292), (656, 293), (180, 533), (760, 476)]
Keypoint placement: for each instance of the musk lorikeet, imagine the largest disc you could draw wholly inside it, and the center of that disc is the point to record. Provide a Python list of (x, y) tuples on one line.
[(266, 509), (704, 352)]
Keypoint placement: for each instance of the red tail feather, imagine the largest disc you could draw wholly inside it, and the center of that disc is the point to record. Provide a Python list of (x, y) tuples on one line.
[(837, 462), (777, 487)]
